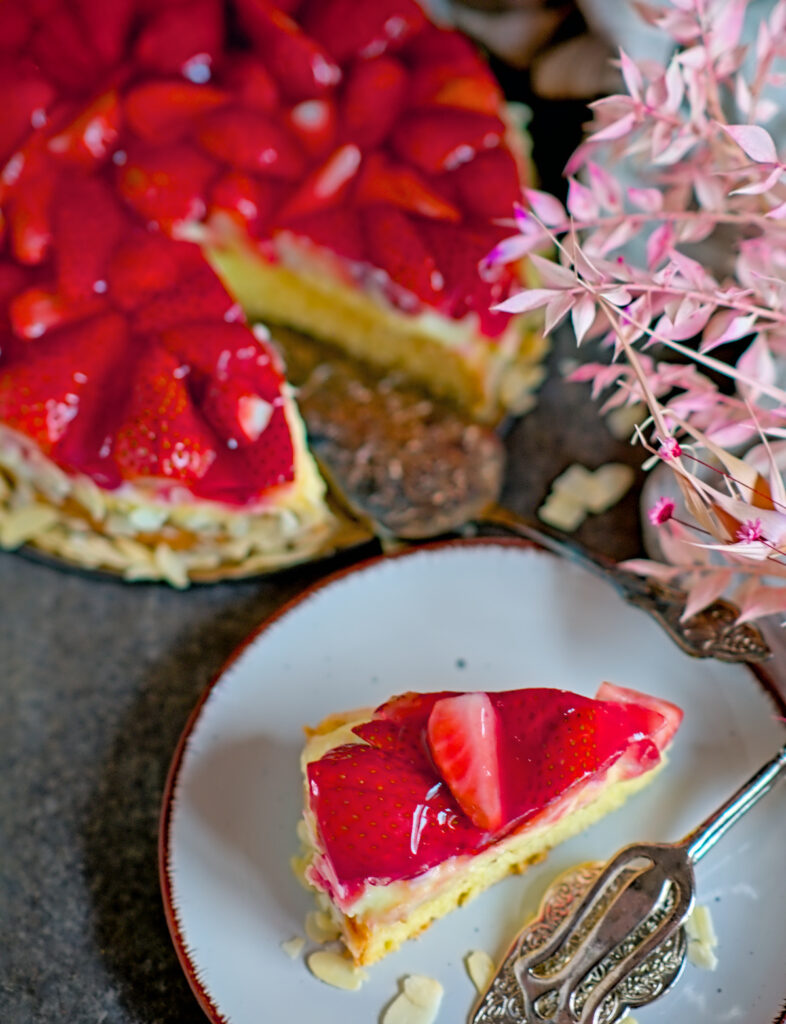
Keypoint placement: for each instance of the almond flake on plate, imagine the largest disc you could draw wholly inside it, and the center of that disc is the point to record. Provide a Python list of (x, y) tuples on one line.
[(702, 940), (320, 927), (418, 1003), (609, 483), (294, 947), (562, 512), (336, 969), (480, 968)]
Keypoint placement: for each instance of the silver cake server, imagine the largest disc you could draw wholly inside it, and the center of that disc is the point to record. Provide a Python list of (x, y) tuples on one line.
[(610, 938)]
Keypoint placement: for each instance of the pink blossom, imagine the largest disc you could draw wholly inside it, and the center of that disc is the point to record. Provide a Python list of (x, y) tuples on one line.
[(751, 530), (669, 449), (661, 512)]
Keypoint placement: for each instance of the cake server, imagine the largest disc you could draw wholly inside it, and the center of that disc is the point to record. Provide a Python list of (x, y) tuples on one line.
[(412, 468), (611, 938)]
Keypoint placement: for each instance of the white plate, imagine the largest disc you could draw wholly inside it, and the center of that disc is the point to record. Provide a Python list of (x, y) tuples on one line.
[(466, 615)]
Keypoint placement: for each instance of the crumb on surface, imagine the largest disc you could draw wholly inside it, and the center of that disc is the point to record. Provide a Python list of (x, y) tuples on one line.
[(336, 969), (294, 947), (417, 1003)]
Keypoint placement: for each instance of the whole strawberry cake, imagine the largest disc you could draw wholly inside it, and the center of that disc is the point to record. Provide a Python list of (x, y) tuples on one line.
[(414, 808), (170, 171)]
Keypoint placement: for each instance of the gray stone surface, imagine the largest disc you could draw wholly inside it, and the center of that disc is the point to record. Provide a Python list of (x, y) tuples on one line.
[(97, 679)]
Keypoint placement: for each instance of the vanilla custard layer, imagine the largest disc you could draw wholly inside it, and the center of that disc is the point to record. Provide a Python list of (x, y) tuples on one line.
[(306, 289), (381, 917), (143, 533)]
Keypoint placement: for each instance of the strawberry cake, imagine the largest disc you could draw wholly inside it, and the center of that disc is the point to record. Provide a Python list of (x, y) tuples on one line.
[(172, 170), (414, 808)]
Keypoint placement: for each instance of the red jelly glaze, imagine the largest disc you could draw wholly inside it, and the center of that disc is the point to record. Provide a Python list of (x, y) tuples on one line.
[(362, 128), (384, 813)]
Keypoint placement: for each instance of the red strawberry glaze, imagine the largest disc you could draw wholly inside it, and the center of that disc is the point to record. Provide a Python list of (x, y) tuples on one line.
[(385, 812), (360, 128)]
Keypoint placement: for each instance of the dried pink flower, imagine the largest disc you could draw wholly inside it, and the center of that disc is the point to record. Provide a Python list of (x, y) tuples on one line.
[(669, 449), (661, 512), (751, 530)]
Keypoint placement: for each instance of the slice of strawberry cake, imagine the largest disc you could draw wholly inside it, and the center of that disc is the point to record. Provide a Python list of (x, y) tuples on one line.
[(414, 808), (170, 169)]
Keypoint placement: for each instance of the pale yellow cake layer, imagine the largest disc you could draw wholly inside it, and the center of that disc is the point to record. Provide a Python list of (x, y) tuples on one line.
[(383, 917), (447, 357)]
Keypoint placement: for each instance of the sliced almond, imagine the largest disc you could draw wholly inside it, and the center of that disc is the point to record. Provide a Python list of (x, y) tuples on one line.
[(480, 968), (294, 947), (609, 483), (336, 969), (562, 512), (320, 927), (24, 523), (418, 1004), (702, 939), (575, 482)]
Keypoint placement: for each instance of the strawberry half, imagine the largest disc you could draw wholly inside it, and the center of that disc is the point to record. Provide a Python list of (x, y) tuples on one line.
[(60, 390), (163, 112), (161, 434), (251, 141), (23, 91), (326, 186), (314, 123), (90, 137), (297, 61), (177, 35), (373, 98), (348, 29), (88, 222), (462, 737), (166, 184), (397, 247), (196, 296), (384, 181), (665, 717), (146, 263), (250, 83), (336, 229), (439, 140), (378, 816)]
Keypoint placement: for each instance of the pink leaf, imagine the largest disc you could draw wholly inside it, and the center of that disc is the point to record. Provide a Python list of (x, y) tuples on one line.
[(605, 188), (755, 141), (659, 243), (581, 202), (616, 129), (631, 74), (582, 316), (762, 185), (761, 601), (757, 363), (677, 148), (509, 250), (549, 209), (727, 325), (727, 26), (675, 87), (777, 212), (556, 310), (644, 567), (707, 589), (553, 274), (527, 300), (648, 199)]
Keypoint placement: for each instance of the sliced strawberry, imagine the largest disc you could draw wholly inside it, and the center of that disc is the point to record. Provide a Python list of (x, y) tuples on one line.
[(198, 296), (25, 96), (462, 737), (458, 250), (166, 111), (92, 136), (384, 181), (396, 246), (29, 212), (166, 184), (248, 199), (337, 229), (88, 222), (665, 717), (378, 816), (269, 462), (348, 29), (146, 263), (251, 141), (161, 434), (314, 123), (236, 412), (179, 38), (298, 63), (251, 83), (326, 186), (60, 388), (440, 48), (374, 96), (107, 25), (488, 185), (439, 140), (35, 311), (219, 350)]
